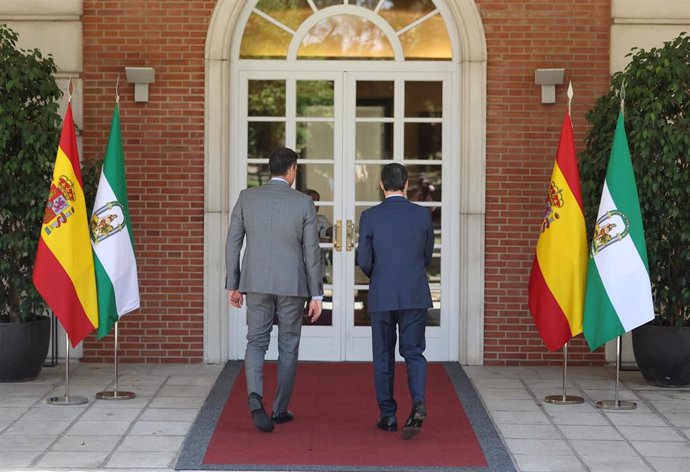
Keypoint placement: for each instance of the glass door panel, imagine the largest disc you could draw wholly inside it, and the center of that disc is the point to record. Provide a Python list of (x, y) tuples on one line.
[(396, 121), (301, 112)]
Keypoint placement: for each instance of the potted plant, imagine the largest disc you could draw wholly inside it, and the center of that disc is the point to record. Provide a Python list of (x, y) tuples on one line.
[(657, 121), (29, 134)]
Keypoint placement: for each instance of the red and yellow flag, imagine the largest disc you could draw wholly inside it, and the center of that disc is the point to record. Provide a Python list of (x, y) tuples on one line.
[(64, 271), (557, 280)]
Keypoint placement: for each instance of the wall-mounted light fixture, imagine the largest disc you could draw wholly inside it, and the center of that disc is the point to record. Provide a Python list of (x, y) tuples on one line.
[(141, 77), (548, 79)]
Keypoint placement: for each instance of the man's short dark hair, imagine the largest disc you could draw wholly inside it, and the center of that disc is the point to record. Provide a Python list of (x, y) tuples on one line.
[(281, 160), (394, 176)]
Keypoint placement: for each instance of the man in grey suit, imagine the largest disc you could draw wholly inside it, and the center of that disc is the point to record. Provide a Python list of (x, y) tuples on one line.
[(281, 267)]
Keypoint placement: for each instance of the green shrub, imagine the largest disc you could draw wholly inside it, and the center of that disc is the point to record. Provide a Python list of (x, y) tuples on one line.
[(657, 121), (29, 135)]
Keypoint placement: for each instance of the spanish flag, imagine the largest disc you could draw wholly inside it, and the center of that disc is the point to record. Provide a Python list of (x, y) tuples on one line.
[(64, 271), (557, 280)]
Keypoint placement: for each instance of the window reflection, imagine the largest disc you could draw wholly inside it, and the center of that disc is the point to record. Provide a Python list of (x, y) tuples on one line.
[(291, 13), (370, 4), (400, 13), (266, 98), (423, 141), (423, 99), (375, 99), (321, 4), (257, 174), (345, 37), (424, 183), (361, 313), (315, 140), (315, 98), (317, 177), (427, 41), (433, 315), (262, 39), (264, 137), (367, 178), (433, 272), (373, 141)]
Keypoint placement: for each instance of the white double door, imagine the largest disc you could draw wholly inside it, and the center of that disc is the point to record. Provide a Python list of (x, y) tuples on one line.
[(346, 126)]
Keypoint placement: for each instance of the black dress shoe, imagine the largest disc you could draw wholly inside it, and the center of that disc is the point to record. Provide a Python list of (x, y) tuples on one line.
[(413, 425), (387, 423), (282, 417), (259, 417)]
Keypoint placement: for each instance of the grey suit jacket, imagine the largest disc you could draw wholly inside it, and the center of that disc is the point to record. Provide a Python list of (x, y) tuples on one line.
[(282, 254)]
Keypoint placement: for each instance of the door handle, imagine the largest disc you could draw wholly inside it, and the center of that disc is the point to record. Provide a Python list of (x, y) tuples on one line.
[(337, 231), (350, 243)]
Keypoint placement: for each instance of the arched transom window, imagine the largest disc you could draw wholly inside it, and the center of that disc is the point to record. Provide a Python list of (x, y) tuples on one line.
[(394, 30)]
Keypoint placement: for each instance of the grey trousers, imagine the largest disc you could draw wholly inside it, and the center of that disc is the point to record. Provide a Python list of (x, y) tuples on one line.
[(261, 308)]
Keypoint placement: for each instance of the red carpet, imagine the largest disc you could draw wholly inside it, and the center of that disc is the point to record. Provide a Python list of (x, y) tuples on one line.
[(335, 414)]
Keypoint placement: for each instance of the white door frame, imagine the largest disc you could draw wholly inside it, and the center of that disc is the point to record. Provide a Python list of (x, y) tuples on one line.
[(465, 28)]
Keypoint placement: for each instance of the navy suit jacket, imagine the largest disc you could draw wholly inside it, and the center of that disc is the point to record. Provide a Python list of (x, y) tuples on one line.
[(396, 243)]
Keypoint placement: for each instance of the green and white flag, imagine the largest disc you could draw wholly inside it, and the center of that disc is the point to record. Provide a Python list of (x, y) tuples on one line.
[(111, 238), (618, 296)]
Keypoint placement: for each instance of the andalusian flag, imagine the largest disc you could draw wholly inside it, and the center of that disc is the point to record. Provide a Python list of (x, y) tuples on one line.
[(619, 295), (557, 280), (63, 270), (111, 237)]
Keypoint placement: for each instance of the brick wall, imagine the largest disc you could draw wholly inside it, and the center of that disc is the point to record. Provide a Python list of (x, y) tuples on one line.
[(522, 135), (163, 145)]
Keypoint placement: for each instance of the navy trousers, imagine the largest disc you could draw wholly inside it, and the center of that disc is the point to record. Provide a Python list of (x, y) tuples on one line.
[(412, 326)]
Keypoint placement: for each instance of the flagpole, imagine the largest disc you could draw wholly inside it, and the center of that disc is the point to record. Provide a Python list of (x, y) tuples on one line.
[(564, 399), (116, 394), (66, 399), (617, 404)]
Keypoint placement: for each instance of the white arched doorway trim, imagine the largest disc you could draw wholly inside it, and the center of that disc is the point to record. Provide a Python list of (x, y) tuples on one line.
[(222, 43)]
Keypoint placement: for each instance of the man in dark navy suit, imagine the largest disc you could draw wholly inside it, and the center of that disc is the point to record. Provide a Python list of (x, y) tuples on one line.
[(396, 242)]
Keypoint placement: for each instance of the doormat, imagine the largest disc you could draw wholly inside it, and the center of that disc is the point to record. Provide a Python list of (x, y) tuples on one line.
[(334, 426)]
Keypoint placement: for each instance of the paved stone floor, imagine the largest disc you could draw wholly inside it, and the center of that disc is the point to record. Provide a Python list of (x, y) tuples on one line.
[(145, 434)]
